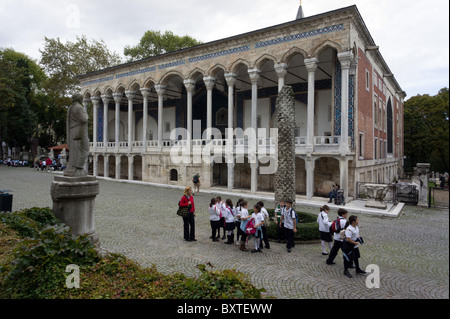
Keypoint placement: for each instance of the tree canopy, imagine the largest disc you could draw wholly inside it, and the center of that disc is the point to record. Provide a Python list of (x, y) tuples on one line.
[(155, 43), (426, 131)]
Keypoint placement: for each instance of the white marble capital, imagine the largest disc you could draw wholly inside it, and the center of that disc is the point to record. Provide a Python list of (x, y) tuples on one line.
[(231, 78), (106, 99), (189, 85), (130, 95), (254, 75), (311, 64), (145, 92), (117, 97), (160, 89), (209, 82), (346, 59), (281, 69)]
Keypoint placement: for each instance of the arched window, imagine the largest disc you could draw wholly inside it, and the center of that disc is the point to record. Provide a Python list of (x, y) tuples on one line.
[(174, 175)]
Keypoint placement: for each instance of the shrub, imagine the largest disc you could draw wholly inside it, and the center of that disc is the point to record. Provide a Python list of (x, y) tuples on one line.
[(40, 259), (36, 269)]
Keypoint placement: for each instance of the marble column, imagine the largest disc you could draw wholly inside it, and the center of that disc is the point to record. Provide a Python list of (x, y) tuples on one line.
[(118, 163), (130, 95), (209, 83), (145, 93), (117, 99), (231, 81), (281, 70), (105, 165), (95, 103), (105, 99), (160, 89), (190, 86), (310, 164), (130, 167), (254, 77), (311, 66), (343, 168), (345, 58)]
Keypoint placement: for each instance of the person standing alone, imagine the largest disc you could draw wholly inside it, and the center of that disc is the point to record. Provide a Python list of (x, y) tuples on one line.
[(189, 221)]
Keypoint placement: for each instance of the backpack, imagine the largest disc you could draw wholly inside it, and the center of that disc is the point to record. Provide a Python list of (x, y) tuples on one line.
[(195, 179), (336, 226), (250, 229)]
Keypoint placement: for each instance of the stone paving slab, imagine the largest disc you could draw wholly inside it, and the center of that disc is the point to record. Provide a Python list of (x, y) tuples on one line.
[(140, 221)]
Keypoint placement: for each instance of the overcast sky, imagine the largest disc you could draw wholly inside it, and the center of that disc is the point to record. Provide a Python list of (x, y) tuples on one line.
[(413, 35)]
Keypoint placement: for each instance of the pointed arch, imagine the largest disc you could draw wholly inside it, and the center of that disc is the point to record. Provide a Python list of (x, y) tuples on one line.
[(166, 77), (216, 69), (194, 74), (134, 86), (108, 90), (87, 94), (236, 64), (323, 46), (263, 59), (293, 51), (149, 82), (120, 88), (97, 92)]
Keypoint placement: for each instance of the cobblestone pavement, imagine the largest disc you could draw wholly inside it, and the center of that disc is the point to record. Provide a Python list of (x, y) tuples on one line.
[(140, 221)]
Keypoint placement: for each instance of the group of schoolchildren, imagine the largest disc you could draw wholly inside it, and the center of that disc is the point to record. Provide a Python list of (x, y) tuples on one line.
[(228, 217), (345, 233)]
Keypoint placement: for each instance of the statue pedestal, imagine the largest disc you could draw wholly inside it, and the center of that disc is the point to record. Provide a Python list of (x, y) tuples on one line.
[(73, 203), (376, 194)]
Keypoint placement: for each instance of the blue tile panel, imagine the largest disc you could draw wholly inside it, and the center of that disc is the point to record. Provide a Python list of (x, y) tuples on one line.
[(221, 53), (299, 36)]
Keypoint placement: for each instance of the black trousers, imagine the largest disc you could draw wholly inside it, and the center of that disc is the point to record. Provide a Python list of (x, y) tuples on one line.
[(351, 255), (280, 232), (215, 225), (189, 226), (333, 253), (289, 234), (265, 238)]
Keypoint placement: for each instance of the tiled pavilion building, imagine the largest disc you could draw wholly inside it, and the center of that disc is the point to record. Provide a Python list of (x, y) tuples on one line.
[(165, 118)]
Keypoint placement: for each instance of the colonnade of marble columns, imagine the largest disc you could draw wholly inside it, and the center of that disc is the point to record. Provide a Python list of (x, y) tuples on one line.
[(345, 58)]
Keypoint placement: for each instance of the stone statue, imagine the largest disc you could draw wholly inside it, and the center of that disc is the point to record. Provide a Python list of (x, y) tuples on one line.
[(77, 138), (285, 123)]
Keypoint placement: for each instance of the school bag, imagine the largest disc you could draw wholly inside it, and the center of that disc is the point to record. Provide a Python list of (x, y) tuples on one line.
[(250, 229), (336, 226)]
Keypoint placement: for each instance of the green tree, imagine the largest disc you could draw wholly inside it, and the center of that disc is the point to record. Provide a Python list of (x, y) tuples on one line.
[(155, 43), (63, 62), (426, 130), (20, 80)]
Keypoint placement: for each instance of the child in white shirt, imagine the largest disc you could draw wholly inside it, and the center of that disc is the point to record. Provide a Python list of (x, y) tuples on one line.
[(258, 221), (324, 229), (229, 214), (214, 218)]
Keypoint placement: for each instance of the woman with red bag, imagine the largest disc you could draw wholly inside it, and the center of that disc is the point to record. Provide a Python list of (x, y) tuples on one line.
[(189, 221)]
